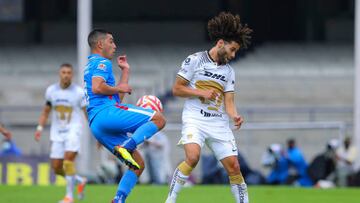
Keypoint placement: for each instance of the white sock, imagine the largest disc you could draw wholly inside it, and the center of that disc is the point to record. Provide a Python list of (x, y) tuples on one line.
[(79, 179), (70, 186), (240, 193), (177, 183)]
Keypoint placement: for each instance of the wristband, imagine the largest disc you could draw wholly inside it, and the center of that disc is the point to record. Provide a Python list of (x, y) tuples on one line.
[(39, 128)]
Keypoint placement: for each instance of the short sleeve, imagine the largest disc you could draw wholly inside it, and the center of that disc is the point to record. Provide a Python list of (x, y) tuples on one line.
[(48, 93), (188, 67), (103, 69), (230, 85)]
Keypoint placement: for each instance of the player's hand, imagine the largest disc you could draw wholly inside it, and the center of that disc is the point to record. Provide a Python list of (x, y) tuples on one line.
[(7, 134), (37, 135), (122, 62), (209, 94), (238, 120), (124, 88)]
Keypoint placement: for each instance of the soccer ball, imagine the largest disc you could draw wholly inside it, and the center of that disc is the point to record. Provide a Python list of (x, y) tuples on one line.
[(150, 102)]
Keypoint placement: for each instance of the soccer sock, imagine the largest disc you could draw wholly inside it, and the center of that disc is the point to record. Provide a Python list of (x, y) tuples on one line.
[(181, 174), (239, 188), (140, 135), (69, 168), (69, 186), (127, 183)]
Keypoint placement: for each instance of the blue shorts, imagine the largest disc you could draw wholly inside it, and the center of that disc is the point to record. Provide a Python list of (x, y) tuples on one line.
[(111, 125)]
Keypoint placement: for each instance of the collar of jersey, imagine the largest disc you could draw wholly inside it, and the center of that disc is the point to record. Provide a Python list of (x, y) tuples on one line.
[(209, 57), (212, 60), (94, 55)]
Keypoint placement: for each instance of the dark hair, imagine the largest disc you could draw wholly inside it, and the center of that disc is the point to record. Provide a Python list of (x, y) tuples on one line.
[(68, 65), (228, 27), (94, 36)]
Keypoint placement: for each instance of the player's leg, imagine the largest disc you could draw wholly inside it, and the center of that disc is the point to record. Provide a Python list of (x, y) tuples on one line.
[(70, 171), (72, 177), (226, 152), (145, 129), (237, 182), (182, 172), (143, 123), (57, 166), (56, 157), (129, 179), (72, 147)]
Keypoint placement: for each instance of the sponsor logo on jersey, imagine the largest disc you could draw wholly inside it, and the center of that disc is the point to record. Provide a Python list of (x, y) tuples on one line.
[(215, 76), (101, 66), (207, 114), (62, 100)]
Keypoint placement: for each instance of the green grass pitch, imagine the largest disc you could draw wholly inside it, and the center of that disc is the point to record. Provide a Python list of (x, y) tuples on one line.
[(196, 194)]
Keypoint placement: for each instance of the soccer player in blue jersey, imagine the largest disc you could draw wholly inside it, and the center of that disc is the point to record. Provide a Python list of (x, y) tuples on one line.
[(109, 119)]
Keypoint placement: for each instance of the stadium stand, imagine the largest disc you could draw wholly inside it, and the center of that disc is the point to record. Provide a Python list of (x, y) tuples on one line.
[(274, 83)]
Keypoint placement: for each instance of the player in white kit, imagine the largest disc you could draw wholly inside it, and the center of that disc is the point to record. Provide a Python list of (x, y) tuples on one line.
[(207, 82), (66, 101)]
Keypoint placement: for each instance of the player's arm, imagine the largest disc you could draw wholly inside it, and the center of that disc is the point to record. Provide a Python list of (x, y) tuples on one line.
[(42, 120), (5, 132), (181, 89), (230, 108), (125, 72), (99, 86)]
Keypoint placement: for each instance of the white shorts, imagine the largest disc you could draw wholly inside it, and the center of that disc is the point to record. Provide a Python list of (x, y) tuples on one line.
[(70, 144), (221, 143)]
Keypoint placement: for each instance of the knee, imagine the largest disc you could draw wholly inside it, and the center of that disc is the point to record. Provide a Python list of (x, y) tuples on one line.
[(159, 120), (58, 169), (138, 172), (192, 160), (234, 168)]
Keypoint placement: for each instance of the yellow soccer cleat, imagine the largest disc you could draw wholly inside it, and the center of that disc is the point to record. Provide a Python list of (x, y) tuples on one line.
[(125, 156)]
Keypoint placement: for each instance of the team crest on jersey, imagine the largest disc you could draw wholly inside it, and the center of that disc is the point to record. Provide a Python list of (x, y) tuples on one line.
[(101, 66), (190, 136)]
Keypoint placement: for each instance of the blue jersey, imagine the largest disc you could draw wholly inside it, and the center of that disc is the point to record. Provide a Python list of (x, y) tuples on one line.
[(98, 66)]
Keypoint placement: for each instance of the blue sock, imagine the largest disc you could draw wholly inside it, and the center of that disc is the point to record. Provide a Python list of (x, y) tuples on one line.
[(142, 133), (127, 183)]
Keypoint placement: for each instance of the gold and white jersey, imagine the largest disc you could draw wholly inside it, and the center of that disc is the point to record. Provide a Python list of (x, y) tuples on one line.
[(203, 73), (66, 111)]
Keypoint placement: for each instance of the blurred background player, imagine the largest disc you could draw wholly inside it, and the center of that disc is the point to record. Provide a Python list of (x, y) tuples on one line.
[(66, 101), (208, 81), (275, 159), (8, 147), (5, 132), (298, 163), (346, 155), (109, 119)]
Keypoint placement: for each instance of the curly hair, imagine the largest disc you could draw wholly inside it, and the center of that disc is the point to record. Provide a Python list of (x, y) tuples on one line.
[(228, 27)]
